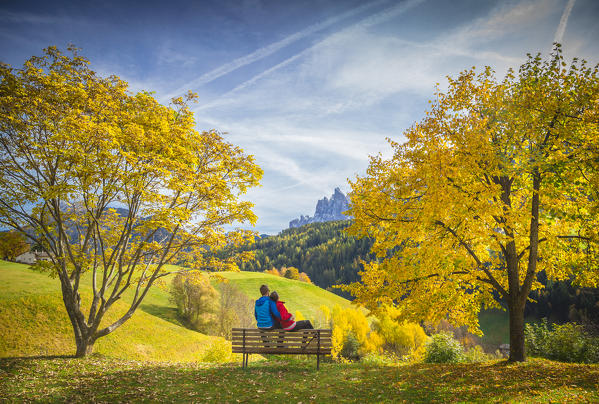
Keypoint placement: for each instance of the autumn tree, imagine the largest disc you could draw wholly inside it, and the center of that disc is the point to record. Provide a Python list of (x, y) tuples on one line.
[(291, 273), (497, 183), (235, 309), (112, 185), (12, 244), (197, 301)]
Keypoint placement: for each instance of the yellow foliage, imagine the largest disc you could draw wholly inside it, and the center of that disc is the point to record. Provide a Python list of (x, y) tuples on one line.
[(91, 144), (353, 321), (497, 182), (299, 316), (324, 317), (304, 277), (399, 337), (273, 271), (290, 272)]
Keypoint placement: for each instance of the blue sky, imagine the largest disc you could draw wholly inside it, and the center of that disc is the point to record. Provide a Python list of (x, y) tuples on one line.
[(311, 88)]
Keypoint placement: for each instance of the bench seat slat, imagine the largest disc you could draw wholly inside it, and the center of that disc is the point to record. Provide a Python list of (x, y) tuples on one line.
[(282, 341), (323, 343), (322, 351), (283, 345), (298, 346), (255, 331)]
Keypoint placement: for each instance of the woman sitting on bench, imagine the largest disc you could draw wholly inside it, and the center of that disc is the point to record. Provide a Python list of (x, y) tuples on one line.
[(288, 322)]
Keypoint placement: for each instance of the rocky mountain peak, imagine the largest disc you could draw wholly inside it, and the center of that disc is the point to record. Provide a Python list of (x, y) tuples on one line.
[(326, 210)]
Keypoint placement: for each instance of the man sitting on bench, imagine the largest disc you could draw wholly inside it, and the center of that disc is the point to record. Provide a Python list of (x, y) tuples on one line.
[(265, 310)]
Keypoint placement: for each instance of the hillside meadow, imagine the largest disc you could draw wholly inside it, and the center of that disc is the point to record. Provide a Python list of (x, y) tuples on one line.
[(152, 357), (33, 320)]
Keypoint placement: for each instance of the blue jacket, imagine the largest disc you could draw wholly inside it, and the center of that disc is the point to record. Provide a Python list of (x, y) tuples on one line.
[(264, 310)]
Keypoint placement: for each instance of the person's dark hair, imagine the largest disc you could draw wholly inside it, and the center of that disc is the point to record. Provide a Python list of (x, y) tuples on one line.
[(274, 296), (264, 290)]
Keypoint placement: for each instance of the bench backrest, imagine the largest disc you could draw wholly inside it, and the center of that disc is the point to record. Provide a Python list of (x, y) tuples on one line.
[(252, 340)]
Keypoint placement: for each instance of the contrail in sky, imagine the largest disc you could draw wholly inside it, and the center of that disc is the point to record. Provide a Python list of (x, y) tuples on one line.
[(561, 28), (270, 49), (369, 21)]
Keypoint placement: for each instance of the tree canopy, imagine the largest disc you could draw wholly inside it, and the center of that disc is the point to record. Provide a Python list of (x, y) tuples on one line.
[(12, 244), (497, 182), (112, 184)]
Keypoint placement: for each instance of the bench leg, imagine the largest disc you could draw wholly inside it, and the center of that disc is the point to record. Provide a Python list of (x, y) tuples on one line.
[(317, 361)]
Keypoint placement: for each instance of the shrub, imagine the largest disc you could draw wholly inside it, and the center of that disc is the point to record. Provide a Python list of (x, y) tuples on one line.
[(443, 348), (323, 317), (378, 359), (401, 339), (351, 347), (235, 309), (536, 338), (196, 300), (566, 342), (273, 271), (351, 320), (290, 273), (476, 354)]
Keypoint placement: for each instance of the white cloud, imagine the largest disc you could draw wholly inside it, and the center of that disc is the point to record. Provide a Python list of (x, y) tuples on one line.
[(365, 62), (168, 55), (312, 120)]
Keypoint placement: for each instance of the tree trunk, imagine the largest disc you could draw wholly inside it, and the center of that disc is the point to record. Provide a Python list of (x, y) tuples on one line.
[(84, 347), (516, 313)]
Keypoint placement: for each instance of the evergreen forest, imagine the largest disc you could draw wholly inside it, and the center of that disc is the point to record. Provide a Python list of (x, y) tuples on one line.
[(324, 251)]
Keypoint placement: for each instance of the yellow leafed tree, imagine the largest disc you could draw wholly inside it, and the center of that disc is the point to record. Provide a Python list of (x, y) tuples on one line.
[(497, 182), (112, 184), (352, 321)]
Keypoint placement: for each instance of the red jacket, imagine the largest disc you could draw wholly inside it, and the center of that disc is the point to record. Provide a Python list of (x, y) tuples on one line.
[(286, 322)]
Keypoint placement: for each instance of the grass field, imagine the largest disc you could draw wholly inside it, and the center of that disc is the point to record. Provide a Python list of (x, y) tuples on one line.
[(31, 308), (33, 320), (97, 379), (306, 298), (153, 358)]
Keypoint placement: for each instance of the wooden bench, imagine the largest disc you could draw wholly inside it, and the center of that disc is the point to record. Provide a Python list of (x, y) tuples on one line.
[(303, 342)]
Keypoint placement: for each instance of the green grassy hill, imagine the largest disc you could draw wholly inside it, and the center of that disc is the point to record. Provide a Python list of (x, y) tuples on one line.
[(298, 296), (33, 320)]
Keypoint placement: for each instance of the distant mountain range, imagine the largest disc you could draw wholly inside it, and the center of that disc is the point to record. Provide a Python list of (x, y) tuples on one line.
[(327, 210)]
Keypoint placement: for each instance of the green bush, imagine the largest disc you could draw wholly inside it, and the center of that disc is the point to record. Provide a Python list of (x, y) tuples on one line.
[(566, 342), (476, 354), (351, 347), (443, 348), (536, 338)]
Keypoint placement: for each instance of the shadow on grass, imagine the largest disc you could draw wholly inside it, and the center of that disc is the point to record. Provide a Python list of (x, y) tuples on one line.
[(108, 380), (166, 313), (498, 381), (36, 357)]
